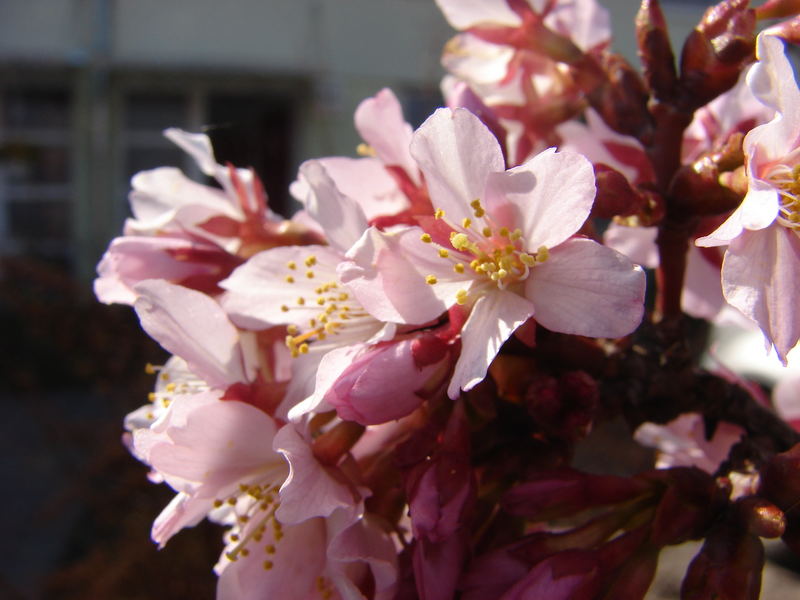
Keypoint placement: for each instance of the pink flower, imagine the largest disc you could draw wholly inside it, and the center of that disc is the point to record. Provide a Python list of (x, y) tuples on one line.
[(501, 56), (313, 537), (760, 270), (502, 245), (342, 353), (386, 183), (189, 233)]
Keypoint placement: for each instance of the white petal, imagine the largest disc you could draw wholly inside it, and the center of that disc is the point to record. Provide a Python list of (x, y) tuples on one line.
[(456, 152), (760, 277), (259, 289), (340, 216), (192, 326), (386, 272), (493, 319), (462, 14), (587, 289), (551, 194)]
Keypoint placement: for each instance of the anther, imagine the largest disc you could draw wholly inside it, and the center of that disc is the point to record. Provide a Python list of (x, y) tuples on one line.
[(425, 237), (431, 280), (443, 252), (439, 214), (542, 254)]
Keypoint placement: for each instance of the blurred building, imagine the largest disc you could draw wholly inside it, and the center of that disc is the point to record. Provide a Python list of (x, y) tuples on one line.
[(87, 86)]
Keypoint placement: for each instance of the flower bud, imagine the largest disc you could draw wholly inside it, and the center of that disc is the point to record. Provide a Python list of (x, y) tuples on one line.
[(776, 9), (389, 381), (728, 566), (761, 517), (655, 50), (570, 575), (565, 492), (780, 481), (688, 506), (716, 51), (615, 195), (789, 30), (622, 99)]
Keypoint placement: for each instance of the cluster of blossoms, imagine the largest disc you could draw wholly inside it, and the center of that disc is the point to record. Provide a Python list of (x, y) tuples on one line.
[(382, 396)]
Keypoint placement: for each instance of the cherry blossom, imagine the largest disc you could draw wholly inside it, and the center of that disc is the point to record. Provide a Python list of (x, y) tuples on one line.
[(190, 233), (759, 272), (509, 256), (338, 346)]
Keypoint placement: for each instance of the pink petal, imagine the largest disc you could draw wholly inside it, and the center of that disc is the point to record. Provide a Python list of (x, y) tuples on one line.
[(456, 153), (772, 79), (132, 259), (364, 542), (159, 194), (585, 22), (215, 444), (637, 243), (339, 215), (194, 327), (493, 319), (380, 385), (477, 61), (587, 289), (259, 289), (550, 196), (298, 560), (198, 146), (702, 289), (365, 180), (463, 14), (386, 272), (180, 513), (379, 120), (310, 490), (327, 369), (760, 277)]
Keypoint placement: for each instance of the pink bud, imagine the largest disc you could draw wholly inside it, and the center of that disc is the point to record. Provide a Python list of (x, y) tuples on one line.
[(385, 383), (775, 9), (655, 49)]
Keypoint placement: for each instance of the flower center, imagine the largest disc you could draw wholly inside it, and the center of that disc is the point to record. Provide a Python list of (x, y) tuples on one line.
[(252, 515), (486, 252), (329, 311), (787, 180)]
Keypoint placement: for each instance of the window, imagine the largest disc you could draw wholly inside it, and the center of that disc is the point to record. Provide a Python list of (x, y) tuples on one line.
[(35, 171)]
